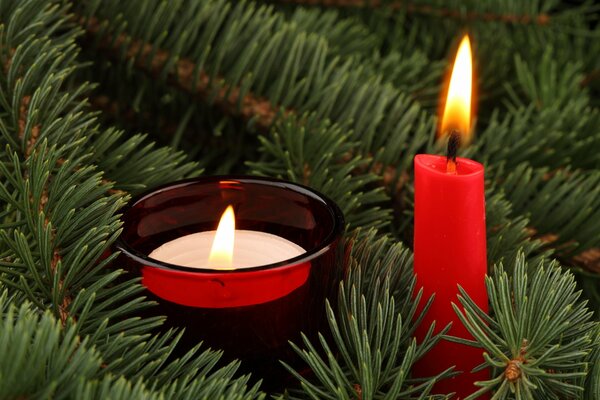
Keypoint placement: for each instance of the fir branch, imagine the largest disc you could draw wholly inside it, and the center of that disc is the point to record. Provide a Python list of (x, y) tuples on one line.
[(63, 306), (54, 201), (115, 112), (588, 260), (185, 75), (136, 163), (372, 348), (537, 337), (118, 388), (74, 367), (550, 120), (29, 340), (549, 81), (28, 129), (111, 110), (544, 196), (347, 36), (168, 104), (428, 10), (554, 136), (291, 151), (507, 234), (410, 71), (383, 120), (592, 386)]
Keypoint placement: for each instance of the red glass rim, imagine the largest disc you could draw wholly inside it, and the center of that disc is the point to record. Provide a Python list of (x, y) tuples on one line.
[(337, 219)]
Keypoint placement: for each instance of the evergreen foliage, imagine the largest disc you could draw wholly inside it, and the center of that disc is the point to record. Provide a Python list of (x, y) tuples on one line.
[(337, 95), (292, 153), (539, 329), (372, 331)]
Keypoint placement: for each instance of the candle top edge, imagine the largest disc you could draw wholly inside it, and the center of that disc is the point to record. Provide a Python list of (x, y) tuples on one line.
[(251, 249), (465, 168)]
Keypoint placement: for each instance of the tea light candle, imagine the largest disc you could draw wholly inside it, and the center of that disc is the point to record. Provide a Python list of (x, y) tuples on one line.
[(251, 249), (227, 248), (247, 291)]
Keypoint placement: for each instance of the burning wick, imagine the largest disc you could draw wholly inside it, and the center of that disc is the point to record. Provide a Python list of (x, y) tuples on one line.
[(456, 117), (453, 145)]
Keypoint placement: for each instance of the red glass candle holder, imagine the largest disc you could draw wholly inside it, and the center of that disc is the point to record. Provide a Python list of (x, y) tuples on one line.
[(250, 313)]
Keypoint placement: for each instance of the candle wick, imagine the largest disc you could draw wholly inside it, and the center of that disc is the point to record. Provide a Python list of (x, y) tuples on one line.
[(453, 145)]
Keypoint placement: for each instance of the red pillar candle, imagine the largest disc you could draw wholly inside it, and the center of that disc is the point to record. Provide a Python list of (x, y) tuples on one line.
[(450, 237), (450, 250)]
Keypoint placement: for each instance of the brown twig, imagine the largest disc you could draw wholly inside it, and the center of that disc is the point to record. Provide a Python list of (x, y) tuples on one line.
[(513, 372), (589, 260), (358, 391), (590, 77), (63, 308), (113, 191), (306, 172), (424, 9), (184, 75), (35, 130)]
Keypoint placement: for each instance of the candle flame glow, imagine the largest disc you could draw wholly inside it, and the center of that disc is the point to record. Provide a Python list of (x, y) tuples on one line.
[(221, 252), (457, 112)]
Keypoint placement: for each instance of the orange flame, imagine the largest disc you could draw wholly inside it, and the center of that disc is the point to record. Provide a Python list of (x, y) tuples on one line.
[(457, 112), (221, 252)]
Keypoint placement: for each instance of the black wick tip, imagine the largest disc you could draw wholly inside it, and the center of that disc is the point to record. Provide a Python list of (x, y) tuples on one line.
[(453, 145)]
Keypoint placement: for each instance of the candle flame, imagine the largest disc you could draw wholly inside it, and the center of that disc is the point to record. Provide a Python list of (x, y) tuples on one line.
[(457, 112), (221, 252)]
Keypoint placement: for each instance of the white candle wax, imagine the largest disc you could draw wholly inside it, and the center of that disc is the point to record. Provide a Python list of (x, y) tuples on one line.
[(250, 249)]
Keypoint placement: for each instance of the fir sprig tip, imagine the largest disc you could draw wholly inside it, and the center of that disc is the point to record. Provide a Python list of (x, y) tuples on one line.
[(538, 335)]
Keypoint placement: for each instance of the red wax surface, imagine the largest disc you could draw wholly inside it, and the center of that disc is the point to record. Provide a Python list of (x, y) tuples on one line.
[(450, 250), (219, 290)]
